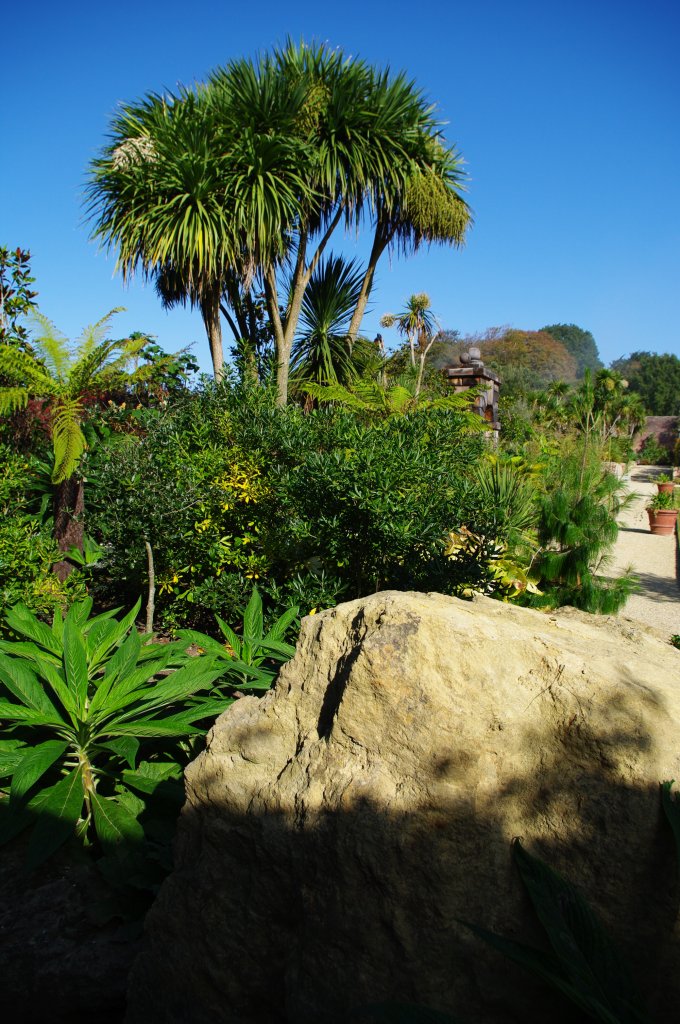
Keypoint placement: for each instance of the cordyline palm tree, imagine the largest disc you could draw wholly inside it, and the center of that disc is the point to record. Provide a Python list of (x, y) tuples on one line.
[(64, 376), (418, 325), (209, 190)]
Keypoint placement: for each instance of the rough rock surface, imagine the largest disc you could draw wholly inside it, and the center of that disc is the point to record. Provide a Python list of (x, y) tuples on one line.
[(337, 830)]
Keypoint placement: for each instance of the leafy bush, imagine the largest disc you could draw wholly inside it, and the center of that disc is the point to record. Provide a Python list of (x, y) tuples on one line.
[(654, 454), (577, 529), (316, 508), (27, 548)]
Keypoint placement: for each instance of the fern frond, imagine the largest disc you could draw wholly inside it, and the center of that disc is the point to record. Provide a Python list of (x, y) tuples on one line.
[(94, 334), (12, 399), (67, 438), (51, 345), (22, 369)]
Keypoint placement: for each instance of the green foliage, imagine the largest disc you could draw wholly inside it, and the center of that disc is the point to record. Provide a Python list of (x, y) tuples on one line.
[(577, 529), (655, 378), (316, 508), (579, 343), (27, 549), (583, 964), (654, 454), (91, 719), (248, 661), (17, 298)]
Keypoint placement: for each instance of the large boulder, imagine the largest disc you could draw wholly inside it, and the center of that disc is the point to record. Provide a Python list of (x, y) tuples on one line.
[(337, 831)]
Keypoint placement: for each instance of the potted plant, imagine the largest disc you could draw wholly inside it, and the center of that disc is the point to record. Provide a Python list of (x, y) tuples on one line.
[(664, 484), (662, 514)]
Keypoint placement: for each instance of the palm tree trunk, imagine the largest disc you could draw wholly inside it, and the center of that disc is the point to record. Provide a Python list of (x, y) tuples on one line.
[(69, 508), (210, 311), (380, 242)]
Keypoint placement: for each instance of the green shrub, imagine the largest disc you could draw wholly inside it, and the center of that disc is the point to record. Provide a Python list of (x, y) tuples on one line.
[(654, 454), (317, 508), (27, 548)]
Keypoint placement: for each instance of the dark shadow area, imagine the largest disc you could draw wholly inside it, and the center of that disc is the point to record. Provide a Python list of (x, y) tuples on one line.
[(280, 917), (658, 588)]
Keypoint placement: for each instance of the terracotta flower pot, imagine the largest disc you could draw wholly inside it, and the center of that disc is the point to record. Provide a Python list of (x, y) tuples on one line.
[(666, 488), (662, 522)]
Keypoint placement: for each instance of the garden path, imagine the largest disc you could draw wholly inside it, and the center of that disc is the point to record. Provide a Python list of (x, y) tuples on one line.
[(654, 559)]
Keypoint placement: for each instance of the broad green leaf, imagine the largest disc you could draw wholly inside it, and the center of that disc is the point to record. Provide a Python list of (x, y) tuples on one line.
[(75, 661), (19, 713), (154, 729), (58, 624), (210, 646), (55, 678), (114, 823), (252, 618), (79, 612), (23, 684), (177, 687), (57, 811), (30, 652), (11, 753), (277, 647), (230, 636), (22, 621), (278, 630), (125, 748), (122, 662), (100, 639), (150, 775), (35, 762), (125, 692)]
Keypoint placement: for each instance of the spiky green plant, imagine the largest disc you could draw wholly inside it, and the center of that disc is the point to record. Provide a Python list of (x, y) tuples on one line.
[(321, 351)]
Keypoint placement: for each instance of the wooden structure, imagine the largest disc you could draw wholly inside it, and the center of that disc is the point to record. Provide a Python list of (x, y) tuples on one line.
[(472, 374)]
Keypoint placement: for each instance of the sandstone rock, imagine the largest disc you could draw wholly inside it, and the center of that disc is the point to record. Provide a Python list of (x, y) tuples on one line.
[(337, 830)]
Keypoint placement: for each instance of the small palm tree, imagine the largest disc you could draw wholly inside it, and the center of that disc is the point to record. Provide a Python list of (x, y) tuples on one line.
[(418, 325), (321, 350), (63, 376)]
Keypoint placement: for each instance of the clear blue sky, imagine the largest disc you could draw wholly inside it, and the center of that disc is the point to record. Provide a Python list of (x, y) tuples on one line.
[(567, 114)]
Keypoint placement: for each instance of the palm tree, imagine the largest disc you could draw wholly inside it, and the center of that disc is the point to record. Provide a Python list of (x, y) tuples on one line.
[(258, 168), (64, 377), (320, 350), (418, 325)]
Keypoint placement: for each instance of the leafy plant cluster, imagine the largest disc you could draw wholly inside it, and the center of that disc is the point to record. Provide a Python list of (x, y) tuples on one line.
[(98, 722)]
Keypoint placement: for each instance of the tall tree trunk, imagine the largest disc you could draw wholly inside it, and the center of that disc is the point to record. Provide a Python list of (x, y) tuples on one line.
[(210, 311), (381, 240), (69, 509), (285, 332)]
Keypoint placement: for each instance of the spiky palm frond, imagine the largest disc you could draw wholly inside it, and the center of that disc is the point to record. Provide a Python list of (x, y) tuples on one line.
[(321, 351)]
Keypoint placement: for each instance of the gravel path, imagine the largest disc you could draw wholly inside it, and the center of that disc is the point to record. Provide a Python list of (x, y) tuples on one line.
[(654, 560)]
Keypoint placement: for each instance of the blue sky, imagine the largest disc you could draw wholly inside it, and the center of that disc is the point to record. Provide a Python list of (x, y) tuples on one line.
[(565, 112)]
